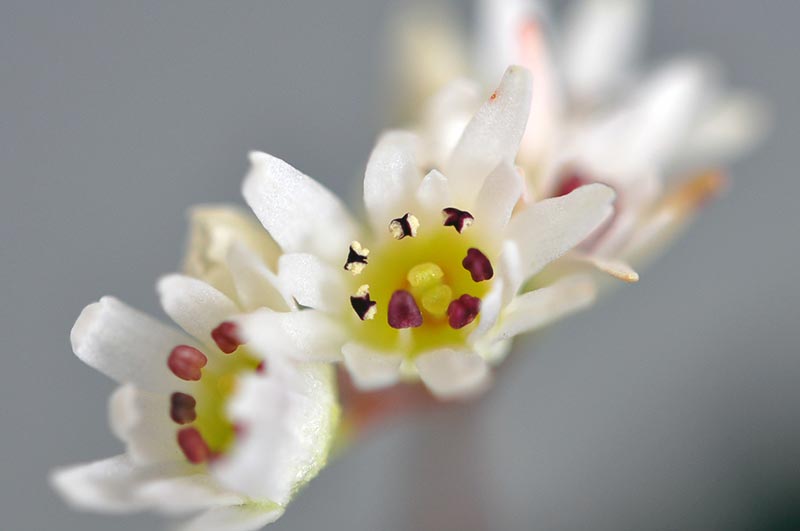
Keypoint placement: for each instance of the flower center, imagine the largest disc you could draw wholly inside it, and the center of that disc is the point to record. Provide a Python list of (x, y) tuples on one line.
[(205, 430), (422, 288)]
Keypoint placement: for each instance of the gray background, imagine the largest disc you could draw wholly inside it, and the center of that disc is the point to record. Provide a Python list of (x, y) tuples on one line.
[(672, 405)]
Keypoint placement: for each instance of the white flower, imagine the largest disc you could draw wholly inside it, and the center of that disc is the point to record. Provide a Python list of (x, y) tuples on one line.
[(429, 286), (655, 139), (210, 426)]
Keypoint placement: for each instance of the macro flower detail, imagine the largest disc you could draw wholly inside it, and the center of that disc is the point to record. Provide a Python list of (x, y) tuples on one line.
[(209, 425), (435, 296)]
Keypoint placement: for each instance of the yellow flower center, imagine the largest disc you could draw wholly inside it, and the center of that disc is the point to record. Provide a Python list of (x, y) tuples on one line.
[(409, 297)]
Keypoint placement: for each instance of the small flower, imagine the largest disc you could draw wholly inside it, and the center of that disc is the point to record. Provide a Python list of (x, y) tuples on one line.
[(437, 296), (656, 140), (209, 425)]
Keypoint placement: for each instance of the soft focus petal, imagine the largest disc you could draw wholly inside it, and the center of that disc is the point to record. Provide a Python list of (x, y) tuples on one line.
[(126, 345), (546, 230), (446, 116), (618, 269), (213, 229), (601, 42), (307, 334), (493, 136), (240, 518), (111, 485), (299, 213), (194, 305), (288, 415), (370, 369), (543, 306), (498, 196), (727, 128), (453, 374), (391, 178), (141, 420), (256, 285), (664, 110), (312, 282)]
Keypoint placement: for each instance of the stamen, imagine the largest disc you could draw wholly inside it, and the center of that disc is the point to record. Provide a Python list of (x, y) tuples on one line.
[(463, 311), (364, 307), (193, 445), (459, 219), (356, 258), (405, 226), (181, 408), (185, 362), (226, 337), (403, 311), (479, 267)]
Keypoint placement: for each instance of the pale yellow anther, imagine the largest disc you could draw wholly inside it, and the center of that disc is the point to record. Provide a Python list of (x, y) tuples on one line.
[(425, 275), (437, 299)]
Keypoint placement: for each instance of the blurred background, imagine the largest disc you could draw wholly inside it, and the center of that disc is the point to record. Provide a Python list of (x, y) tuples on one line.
[(671, 405)]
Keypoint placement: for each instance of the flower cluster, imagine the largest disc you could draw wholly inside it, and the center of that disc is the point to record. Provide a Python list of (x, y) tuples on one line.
[(484, 220)]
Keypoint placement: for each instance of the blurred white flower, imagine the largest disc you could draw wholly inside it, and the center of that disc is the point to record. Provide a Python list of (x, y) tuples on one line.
[(656, 139), (429, 287), (210, 427)]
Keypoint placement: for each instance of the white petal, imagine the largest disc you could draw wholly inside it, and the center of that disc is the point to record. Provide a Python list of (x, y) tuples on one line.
[(546, 230), (126, 344), (194, 305), (188, 493), (497, 198), (493, 136), (299, 213), (491, 305), (445, 117), (541, 307), (312, 282), (110, 485), (371, 369), (616, 268), (665, 109), (256, 285), (391, 178), (141, 420), (601, 41), (289, 416), (453, 374), (240, 518), (434, 193), (729, 127), (512, 270), (307, 334), (500, 24)]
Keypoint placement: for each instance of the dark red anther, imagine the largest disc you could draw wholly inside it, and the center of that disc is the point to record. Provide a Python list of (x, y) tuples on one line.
[(181, 408), (226, 337), (479, 267), (185, 362), (570, 181), (262, 367), (193, 445), (458, 219), (463, 311), (403, 310)]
